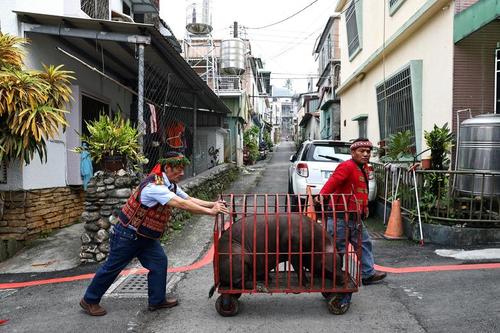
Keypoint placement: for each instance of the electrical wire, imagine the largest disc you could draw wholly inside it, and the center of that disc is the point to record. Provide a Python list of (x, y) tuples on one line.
[(285, 19)]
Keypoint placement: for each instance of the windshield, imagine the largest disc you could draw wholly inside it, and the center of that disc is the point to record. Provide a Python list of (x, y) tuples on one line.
[(321, 153)]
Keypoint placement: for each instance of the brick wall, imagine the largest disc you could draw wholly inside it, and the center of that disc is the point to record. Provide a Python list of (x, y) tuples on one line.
[(27, 214)]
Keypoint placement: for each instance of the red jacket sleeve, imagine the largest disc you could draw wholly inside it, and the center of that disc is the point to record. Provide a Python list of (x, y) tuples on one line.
[(337, 179)]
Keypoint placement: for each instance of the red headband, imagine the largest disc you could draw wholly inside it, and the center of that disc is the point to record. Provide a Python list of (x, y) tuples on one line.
[(361, 144)]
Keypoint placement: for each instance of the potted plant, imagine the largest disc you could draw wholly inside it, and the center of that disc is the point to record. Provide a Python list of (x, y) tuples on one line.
[(440, 141), (400, 147), (112, 142)]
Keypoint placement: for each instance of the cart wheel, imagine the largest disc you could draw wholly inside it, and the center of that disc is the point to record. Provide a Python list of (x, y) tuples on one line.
[(339, 303), (237, 296), (326, 295), (227, 310)]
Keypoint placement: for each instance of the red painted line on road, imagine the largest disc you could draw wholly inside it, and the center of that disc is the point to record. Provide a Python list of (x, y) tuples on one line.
[(204, 261), (442, 268), (207, 259)]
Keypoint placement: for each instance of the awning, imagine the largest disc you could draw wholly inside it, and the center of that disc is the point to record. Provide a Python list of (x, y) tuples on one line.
[(308, 117), (118, 41), (327, 104), (474, 18), (362, 116)]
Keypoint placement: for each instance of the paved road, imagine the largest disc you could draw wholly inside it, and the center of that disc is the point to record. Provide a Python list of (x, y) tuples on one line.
[(453, 301)]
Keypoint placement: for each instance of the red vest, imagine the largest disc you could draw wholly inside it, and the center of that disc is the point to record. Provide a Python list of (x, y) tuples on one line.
[(348, 179), (149, 222)]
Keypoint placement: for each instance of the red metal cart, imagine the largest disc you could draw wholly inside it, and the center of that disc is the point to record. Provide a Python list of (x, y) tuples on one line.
[(267, 246)]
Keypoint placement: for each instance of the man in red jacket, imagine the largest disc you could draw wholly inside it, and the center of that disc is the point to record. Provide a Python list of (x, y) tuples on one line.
[(350, 178)]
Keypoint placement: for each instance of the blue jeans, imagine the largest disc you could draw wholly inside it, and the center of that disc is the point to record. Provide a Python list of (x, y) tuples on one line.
[(124, 246), (367, 260)]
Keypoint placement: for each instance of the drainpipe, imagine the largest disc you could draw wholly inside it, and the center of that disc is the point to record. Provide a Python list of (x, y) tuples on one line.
[(140, 99)]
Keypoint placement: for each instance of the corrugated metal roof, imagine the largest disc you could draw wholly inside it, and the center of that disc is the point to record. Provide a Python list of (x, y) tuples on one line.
[(159, 53)]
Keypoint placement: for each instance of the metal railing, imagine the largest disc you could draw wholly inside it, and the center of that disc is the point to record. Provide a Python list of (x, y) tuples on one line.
[(468, 198), (229, 84)]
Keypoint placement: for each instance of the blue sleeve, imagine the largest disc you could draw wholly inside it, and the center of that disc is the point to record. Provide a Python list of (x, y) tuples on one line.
[(181, 193), (153, 194)]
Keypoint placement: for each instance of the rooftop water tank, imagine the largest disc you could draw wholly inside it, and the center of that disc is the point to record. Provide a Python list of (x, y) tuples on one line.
[(199, 17), (479, 150), (233, 56)]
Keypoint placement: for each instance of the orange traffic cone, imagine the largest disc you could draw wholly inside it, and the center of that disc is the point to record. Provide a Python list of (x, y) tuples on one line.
[(309, 209), (395, 226)]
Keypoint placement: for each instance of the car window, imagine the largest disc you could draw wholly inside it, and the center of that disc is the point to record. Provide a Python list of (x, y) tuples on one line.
[(318, 152)]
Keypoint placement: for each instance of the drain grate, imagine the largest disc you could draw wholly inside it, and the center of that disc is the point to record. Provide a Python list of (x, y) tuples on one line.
[(136, 286), (376, 234)]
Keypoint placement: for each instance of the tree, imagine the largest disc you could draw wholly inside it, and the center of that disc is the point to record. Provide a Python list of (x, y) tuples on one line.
[(31, 103), (288, 84)]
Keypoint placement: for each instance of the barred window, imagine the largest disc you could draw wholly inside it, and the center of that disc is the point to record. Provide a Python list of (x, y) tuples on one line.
[(396, 97), (96, 9), (352, 29)]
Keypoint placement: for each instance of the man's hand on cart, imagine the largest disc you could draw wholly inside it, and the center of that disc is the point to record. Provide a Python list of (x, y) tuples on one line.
[(219, 207)]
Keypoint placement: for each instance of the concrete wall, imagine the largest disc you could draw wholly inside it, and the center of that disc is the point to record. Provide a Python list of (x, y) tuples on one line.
[(372, 29), (8, 19), (432, 44)]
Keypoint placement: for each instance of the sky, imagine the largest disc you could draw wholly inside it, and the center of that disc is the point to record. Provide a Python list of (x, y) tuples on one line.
[(285, 48)]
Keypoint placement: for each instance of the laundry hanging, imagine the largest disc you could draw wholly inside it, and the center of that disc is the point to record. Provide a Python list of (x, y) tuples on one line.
[(152, 119)]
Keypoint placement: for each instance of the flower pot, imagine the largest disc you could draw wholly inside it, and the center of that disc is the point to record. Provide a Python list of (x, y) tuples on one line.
[(113, 163), (426, 163)]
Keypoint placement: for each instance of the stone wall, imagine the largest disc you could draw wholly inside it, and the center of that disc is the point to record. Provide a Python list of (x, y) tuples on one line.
[(107, 192), (30, 214)]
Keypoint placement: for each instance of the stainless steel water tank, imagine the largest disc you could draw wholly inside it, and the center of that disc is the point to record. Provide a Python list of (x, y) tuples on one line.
[(479, 150), (233, 56), (199, 17)]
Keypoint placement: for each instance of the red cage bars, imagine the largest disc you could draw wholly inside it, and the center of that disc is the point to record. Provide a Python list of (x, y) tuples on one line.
[(269, 245)]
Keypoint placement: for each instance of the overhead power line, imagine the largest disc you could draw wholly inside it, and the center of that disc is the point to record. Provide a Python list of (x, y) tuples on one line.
[(286, 18)]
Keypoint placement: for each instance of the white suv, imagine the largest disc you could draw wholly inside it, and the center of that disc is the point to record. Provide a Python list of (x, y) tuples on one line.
[(315, 161)]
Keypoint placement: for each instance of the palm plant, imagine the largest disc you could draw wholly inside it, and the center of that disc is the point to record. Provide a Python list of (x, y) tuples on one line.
[(31, 103), (400, 147), (112, 137)]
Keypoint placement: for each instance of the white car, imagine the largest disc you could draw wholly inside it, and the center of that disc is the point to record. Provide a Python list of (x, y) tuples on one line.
[(315, 161)]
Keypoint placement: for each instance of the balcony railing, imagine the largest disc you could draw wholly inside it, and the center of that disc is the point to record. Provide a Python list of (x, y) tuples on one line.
[(229, 84), (467, 198)]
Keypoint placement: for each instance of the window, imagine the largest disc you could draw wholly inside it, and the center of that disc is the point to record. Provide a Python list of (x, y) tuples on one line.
[(126, 8), (363, 132), (96, 9), (324, 56), (497, 81), (353, 27), (394, 6), (395, 105)]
